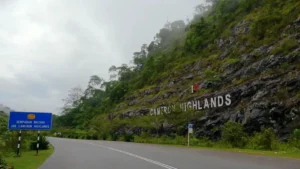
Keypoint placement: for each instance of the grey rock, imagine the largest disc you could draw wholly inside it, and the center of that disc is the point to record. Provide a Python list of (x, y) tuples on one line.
[(190, 77), (259, 95), (171, 84), (224, 55), (197, 66)]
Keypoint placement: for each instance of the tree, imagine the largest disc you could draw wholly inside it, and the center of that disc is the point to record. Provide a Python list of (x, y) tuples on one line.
[(94, 85), (139, 58), (177, 25), (113, 72), (73, 98), (3, 122)]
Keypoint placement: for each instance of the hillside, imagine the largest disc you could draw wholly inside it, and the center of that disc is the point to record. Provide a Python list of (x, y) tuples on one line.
[(243, 54)]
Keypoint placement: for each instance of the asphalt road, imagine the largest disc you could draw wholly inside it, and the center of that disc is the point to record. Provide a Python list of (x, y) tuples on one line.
[(84, 154)]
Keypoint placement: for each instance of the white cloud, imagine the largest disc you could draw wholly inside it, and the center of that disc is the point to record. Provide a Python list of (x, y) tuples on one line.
[(50, 46)]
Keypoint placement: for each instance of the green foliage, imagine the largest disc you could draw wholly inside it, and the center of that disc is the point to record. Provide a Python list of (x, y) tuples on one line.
[(265, 140), (282, 94), (115, 137), (298, 95), (3, 123), (284, 66), (262, 26), (210, 73), (177, 140), (234, 134), (129, 137), (232, 60), (201, 142), (295, 139), (239, 81), (3, 163), (43, 144), (271, 19), (286, 46)]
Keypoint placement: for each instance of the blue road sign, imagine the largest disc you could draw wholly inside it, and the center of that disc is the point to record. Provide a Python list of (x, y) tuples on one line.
[(190, 126), (30, 121)]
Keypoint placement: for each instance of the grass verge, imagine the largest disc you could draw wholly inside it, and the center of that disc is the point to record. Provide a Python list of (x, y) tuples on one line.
[(29, 160), (282, 154)]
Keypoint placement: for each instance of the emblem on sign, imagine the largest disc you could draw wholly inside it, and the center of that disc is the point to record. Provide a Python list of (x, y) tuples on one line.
[(31, 116)]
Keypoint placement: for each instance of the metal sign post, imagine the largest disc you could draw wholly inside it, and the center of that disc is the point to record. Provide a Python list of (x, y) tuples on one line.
[(19, 143), (38, 143), (188, 139), (190, 130)]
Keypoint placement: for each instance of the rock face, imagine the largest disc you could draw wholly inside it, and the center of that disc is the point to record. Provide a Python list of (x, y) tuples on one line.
[(264, 88)]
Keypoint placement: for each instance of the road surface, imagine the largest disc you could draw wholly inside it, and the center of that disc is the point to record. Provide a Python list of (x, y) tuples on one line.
[(85, 154)]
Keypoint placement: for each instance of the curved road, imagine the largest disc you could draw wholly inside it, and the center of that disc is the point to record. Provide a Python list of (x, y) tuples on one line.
[(85, 154)]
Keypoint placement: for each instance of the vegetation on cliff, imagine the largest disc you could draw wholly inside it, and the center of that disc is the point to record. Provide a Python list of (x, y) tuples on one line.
[(249, 48)]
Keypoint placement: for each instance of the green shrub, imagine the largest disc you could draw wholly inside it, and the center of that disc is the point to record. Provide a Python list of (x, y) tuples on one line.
[(44, 144), (262, 26), (232, 60), (194, 141), (284, 66), (282, 94), (114, 137), (10, 139), (295, 139), (94, 137), (223, 145), (239, 81), (233, 133), (129, 138), (139, 139), (180, 140), (104, 136), (210, 73), (298, 95), (285, 47), (3, 163), (202, 142), (265, 140)]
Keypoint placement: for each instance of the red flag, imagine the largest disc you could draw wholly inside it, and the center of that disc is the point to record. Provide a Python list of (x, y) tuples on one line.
[(195, 88)]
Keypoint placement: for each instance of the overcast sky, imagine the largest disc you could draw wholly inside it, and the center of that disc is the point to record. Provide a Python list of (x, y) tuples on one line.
[(50, 46)]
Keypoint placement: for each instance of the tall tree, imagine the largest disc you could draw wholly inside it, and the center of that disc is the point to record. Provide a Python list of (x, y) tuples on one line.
[(73, 98)]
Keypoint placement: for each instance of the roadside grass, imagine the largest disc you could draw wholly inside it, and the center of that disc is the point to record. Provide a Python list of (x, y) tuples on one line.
[(29, 160), (282, 151), (283, 154)]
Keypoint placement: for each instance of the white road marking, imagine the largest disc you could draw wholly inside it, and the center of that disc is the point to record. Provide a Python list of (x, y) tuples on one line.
[(137, 156)]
